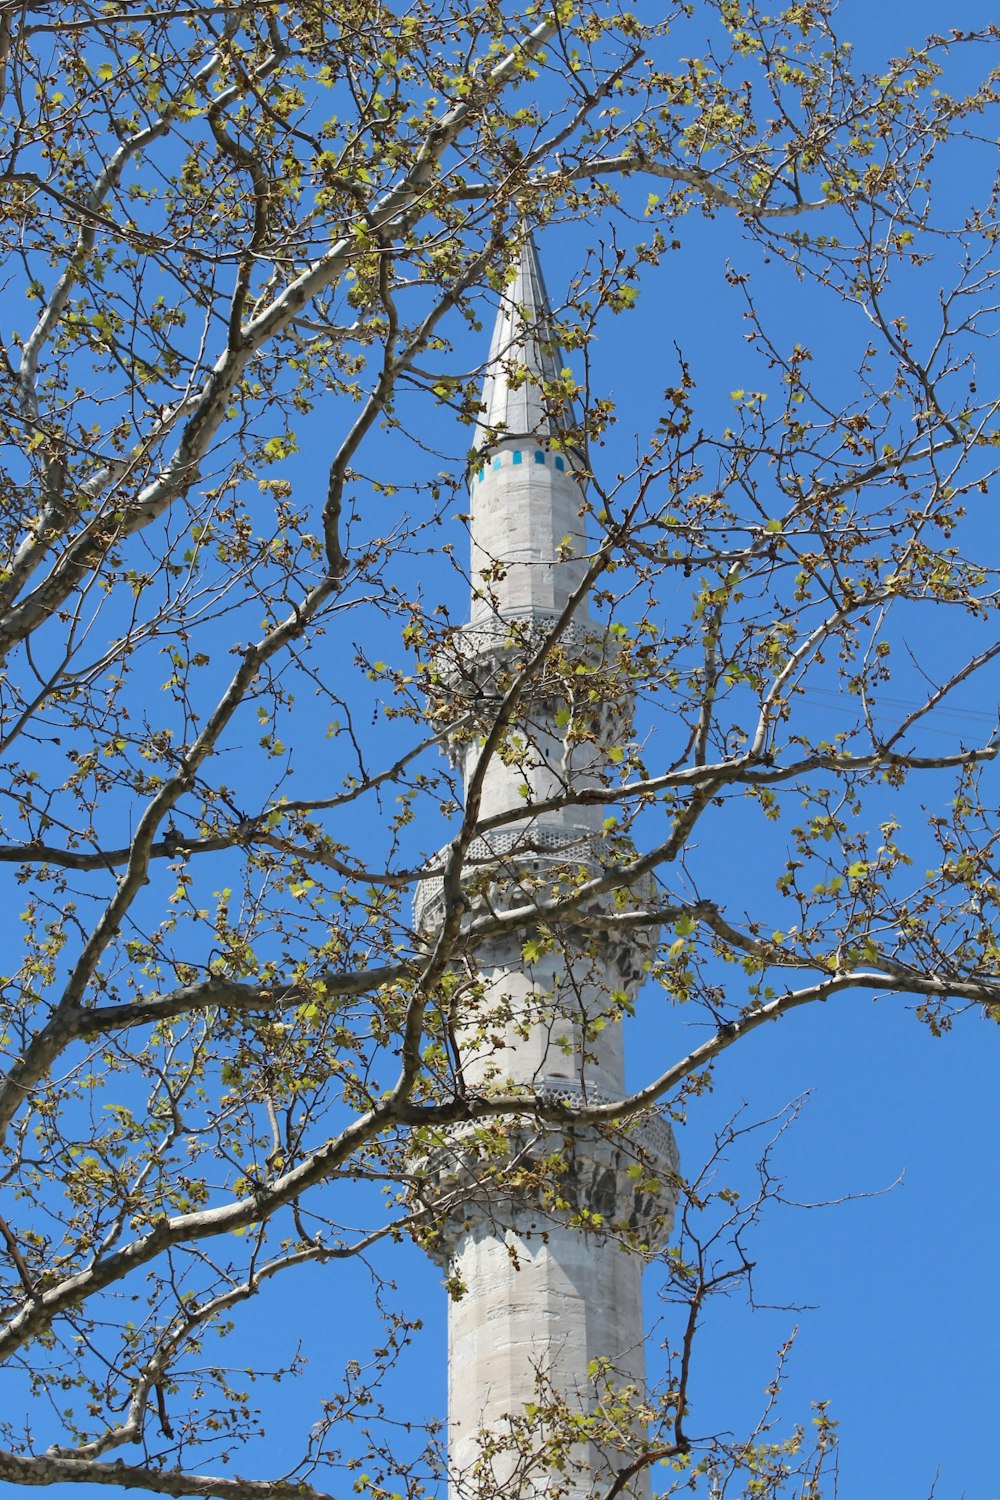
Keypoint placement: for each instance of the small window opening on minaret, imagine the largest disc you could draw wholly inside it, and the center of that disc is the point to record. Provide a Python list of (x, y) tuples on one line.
[(518, 456), (560, 464), (539, 456)]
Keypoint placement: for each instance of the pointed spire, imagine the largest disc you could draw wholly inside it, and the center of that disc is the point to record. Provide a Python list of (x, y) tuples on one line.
[(513, 404)]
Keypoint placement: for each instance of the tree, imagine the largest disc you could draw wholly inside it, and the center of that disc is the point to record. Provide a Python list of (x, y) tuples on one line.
[(223, 705)]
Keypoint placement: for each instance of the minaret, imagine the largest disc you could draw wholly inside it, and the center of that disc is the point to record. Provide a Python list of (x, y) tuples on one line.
[(542, 1227)]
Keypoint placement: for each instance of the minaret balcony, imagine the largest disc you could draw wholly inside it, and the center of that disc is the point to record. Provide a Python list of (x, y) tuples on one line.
[(540, 872), (618, 1181), (579, 682), (533, 865)]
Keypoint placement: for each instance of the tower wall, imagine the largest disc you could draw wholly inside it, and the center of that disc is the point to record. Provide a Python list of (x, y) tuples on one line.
[(542, 1307), (552, 1017), (538, 759), (529, 547)]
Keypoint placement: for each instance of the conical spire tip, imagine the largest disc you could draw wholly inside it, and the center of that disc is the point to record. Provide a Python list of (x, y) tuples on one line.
[(524, 358)]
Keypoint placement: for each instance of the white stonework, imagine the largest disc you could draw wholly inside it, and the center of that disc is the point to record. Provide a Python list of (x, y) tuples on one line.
[(545, 1260), (528, 536), (537, 1310)]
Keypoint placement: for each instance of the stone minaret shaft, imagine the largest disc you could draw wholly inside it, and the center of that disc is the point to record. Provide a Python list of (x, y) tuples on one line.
[(546, 1257)]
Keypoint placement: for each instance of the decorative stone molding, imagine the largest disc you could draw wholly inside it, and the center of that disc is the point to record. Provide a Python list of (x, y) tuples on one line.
[(473, 660), (651, 1130), (517, 860), (504, 640), (514, 867), (522, 449), (522, 864), (618, 1181)]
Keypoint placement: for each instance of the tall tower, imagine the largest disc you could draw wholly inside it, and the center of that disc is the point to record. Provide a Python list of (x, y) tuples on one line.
[(542, 1227)]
